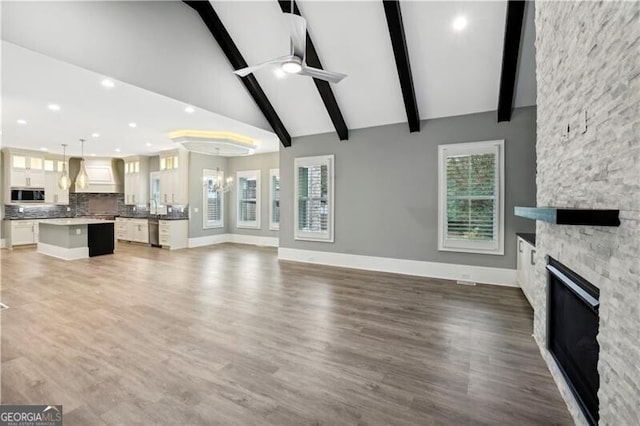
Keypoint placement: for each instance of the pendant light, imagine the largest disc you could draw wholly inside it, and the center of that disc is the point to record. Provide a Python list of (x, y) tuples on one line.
[(82, 180), (64, 182)]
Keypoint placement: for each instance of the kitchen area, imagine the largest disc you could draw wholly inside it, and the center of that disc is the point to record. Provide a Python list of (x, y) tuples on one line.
[(145, 198)]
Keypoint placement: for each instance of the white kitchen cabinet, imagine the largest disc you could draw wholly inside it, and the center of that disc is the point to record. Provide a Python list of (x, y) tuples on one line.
[(132, 230), (174, 234), (23, 232), (23, 169), (52, 193), (136, 180), (174, 177), (525, 269)]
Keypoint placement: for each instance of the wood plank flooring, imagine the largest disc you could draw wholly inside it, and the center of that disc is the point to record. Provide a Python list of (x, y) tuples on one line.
[(228, 335)]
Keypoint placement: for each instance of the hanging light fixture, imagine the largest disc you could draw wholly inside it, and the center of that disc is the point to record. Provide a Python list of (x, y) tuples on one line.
[(220, 185), (64, 182), (82, 180)]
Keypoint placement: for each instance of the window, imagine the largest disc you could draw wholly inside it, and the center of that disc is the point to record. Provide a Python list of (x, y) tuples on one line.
[(248, 199), (212, 202), (274, 199), (314, 198), (471, 197)]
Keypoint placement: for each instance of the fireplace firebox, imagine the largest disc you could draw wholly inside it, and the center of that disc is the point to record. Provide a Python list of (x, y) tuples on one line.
[(571, 336)]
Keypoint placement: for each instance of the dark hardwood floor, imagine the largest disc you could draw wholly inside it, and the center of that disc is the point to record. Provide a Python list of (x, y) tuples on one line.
[(227, 335)]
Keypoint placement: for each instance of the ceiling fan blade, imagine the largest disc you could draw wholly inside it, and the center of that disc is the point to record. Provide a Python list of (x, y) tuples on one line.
[(242, 72), (298, 30), (330, 76)]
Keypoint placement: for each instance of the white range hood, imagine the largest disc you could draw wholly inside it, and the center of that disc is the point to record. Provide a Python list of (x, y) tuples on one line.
[(106, 175)]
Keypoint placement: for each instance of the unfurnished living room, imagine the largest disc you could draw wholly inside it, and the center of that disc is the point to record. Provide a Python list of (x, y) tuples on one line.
[(320, 212)]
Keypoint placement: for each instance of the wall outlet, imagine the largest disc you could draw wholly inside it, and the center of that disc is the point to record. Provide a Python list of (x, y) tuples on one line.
[(181, 209), (78, 231), (68, 209), (20, 209), (169, 209), (195, 210), (134, 208)]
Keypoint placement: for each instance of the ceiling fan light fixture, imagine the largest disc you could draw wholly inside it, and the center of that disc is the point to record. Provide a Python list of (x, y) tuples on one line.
[(291, 67)]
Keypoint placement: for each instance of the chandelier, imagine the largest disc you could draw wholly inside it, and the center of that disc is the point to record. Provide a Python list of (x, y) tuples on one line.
[(219, 184)]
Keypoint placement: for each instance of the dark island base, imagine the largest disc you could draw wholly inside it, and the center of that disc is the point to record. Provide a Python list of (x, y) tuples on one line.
[(100, 239)]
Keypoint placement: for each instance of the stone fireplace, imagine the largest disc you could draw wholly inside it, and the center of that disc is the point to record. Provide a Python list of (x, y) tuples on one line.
[(588, 156)]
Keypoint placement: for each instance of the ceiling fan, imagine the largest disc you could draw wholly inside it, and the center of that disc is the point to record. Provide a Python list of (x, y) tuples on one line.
[(294, 63)]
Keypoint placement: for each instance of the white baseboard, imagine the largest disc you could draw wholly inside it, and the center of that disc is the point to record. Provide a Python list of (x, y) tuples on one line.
[(233, 238), (449, 271), (254, 240), (3, 243), (63, 253), (208, 240)]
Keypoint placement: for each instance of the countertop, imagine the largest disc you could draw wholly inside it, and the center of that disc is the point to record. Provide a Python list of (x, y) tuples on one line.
[(74, 221), (528, 237)]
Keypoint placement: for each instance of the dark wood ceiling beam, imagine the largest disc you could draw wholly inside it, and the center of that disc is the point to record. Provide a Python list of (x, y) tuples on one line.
[(226, 43), (324, 88), (510, 54), (401, 53)]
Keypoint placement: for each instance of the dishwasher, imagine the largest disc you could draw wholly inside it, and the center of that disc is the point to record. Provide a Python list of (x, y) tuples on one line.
[(154, 231)]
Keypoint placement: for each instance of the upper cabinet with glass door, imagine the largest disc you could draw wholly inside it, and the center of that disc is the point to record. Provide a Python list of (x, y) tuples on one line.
[(136, 180), (174, 177), (24, 169)]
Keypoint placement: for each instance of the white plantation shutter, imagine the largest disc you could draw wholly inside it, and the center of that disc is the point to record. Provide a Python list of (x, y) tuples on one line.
[(274, 195), (248, 199), (213, 202), (314, 198), (471, 201)]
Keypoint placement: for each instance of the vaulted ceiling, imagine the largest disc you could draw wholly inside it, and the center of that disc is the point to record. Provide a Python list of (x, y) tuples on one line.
[(166, 48)]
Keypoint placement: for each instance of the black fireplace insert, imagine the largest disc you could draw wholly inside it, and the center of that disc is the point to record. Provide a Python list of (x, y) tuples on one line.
[(572, 327)]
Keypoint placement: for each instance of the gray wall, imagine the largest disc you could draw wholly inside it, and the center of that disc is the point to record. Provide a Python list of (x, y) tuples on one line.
[(386, 184), (197, 163), (262, 162)]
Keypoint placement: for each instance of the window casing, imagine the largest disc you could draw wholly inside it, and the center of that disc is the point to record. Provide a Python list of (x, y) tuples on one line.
[(314, 198), (471, 197), (248, 192), (274, 199), (212, 201)]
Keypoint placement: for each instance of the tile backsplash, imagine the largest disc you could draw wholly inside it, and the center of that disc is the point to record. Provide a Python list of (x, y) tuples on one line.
[(86, 204)]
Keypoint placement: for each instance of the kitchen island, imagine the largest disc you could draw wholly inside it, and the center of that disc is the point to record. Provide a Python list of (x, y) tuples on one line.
[(76, 238)]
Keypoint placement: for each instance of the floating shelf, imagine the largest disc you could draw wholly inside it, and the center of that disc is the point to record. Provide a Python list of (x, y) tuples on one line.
[(566, 216)]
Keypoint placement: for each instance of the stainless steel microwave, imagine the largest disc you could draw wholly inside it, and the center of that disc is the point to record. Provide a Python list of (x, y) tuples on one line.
[(27, 195)]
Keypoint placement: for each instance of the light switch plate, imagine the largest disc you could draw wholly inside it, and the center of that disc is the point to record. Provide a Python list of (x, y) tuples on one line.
[(195, 210), (78, 231)]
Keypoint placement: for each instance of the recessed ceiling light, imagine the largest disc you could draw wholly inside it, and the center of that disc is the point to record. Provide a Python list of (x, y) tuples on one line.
[(44, 149), (117, 149), (460, 23), (107, 83), (189, 110), (95, 135), (148, 144), (291, 67), (54, 107), (133, 125), (21, 121)]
